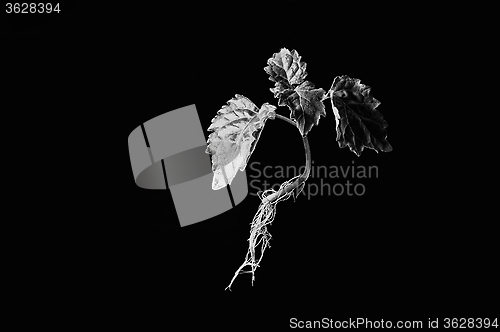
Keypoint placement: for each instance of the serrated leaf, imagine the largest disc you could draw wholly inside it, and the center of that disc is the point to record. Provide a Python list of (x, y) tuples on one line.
[(358, 123), (235, 132), (286, 70), (305, 104), (304, 101)]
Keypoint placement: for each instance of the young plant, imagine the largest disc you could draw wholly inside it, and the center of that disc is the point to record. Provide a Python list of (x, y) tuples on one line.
[(237, 127)]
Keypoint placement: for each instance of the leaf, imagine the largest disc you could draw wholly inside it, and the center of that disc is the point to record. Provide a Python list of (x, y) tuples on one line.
[(358, 123), (306, 106), (235, 132), (286, 70), (304, 101)]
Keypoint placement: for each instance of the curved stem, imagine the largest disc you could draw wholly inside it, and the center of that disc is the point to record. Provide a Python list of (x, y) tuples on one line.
[(303, 177)]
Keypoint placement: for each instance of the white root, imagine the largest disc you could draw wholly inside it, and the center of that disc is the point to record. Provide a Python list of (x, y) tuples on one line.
[(259, 236)]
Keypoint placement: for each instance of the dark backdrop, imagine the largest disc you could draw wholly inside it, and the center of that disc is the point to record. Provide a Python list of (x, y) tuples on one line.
[(94, 73)]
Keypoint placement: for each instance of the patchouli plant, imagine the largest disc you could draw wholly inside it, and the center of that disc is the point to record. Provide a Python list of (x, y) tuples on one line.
[(236, 129)]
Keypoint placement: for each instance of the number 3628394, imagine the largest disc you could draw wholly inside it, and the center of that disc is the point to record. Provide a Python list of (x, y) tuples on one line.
[(31, 8)]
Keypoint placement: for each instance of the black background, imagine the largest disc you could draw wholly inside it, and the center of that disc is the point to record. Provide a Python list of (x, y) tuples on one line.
[(95, 73)]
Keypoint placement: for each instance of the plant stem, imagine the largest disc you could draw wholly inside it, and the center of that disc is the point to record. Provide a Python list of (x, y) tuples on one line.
[(303, 177)]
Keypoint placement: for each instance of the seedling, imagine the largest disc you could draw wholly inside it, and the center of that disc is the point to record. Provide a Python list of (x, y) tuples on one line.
[(236, 129)]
